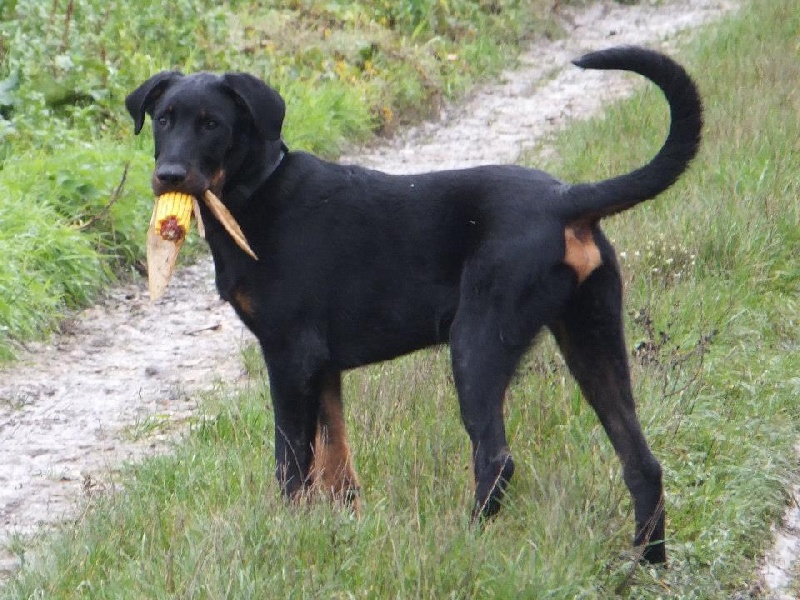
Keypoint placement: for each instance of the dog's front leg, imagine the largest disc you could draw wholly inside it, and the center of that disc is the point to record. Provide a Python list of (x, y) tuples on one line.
[(295, 402), (332, 470)]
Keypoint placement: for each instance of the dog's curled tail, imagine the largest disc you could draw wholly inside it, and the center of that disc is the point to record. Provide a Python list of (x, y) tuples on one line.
[(593, 201)]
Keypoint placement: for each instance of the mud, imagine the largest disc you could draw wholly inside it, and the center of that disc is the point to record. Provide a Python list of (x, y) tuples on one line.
[(124, 375)]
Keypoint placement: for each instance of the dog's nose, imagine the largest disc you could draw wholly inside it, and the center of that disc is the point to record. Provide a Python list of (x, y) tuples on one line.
[(171, 173)]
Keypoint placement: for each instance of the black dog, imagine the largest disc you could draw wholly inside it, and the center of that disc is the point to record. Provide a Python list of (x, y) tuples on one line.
[(357, 266)]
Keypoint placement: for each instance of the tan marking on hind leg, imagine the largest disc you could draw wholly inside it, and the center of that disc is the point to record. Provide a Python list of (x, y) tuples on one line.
[(332, 470), (582, 253)]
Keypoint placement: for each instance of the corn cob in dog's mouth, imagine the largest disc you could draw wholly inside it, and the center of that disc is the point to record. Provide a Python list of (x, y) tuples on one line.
[(172, 214), (169, 225)]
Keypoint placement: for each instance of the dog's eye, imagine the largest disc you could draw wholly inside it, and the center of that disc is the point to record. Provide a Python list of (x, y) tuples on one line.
[(209, 124), (162, 121)]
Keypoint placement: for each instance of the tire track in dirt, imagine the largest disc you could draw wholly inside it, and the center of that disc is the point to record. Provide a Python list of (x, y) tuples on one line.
[(69, 407), (780, 565)]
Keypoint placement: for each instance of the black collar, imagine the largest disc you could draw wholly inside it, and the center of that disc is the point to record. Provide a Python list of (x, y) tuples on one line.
[(243, 191)]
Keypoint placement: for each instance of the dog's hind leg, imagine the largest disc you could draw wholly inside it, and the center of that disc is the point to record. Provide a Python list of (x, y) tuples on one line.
[(590, 336), (482, 370), (332, 469), (503, 305)]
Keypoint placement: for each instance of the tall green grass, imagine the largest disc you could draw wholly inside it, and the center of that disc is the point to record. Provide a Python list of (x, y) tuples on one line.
[(712, 294), (70, 223)]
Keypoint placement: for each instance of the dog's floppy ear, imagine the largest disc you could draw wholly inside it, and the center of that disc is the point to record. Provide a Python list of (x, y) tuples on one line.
[(142, 99), (265, 105)]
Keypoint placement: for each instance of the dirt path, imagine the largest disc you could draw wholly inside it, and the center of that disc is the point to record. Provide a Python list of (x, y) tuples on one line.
[(69, 409)]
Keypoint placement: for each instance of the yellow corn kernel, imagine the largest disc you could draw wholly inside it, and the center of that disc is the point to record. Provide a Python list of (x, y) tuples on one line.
[(173, 213)]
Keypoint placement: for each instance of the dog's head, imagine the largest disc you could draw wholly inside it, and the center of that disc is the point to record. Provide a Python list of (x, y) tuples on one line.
[(208, 129)]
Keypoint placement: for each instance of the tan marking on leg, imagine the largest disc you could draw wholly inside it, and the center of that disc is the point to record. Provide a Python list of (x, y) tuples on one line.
[(333, 471), (581, 254)]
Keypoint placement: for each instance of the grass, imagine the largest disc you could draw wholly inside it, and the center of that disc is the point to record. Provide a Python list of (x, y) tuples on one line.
[(348, 70), (68, 228), (712, 292)]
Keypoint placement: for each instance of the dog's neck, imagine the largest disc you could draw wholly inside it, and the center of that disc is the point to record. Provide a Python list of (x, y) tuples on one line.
[(247, 185)]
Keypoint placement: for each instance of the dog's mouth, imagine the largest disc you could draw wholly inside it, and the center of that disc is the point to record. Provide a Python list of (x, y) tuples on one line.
[(169, 226)]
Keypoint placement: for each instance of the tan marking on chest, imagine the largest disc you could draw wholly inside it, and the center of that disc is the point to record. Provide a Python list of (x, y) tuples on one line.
[(242, 301), (581, 253)]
